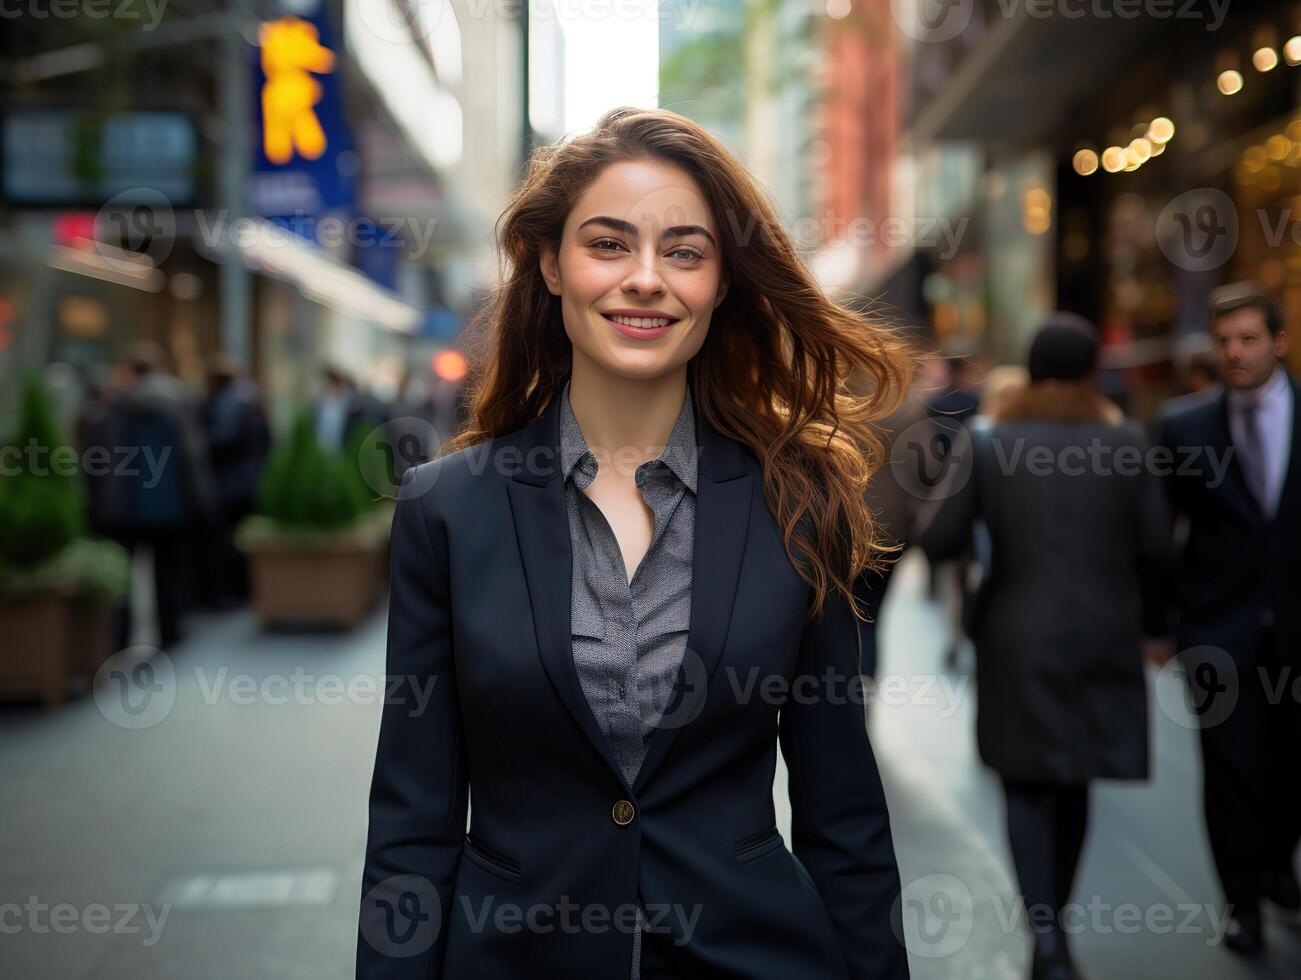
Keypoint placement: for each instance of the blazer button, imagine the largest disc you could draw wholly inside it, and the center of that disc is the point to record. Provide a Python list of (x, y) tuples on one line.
[(623, 813)]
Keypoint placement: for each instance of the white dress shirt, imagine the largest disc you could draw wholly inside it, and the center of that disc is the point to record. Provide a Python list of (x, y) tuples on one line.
[(331, 415), (1274, 410)]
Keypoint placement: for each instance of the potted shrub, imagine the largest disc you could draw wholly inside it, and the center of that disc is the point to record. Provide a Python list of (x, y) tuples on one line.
[(371, 465), (315, 542), (57, 586)]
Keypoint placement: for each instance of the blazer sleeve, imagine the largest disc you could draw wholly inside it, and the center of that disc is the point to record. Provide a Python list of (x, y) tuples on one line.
[(419, 790), (840, 827), (1167, 435)]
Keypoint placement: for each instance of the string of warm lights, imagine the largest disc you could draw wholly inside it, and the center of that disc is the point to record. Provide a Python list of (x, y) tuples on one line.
[(1149, 141), (1260, 162), (1151, 138)]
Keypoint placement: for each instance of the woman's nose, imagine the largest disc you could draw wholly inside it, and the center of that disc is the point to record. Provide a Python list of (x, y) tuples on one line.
[(644, 276)]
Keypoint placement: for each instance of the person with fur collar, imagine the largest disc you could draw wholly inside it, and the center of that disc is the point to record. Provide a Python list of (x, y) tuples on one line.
[(1076, 546)]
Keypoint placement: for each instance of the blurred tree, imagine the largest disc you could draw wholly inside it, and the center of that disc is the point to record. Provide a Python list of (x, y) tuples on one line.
[(365, 466), (305, 488), (41, 496)]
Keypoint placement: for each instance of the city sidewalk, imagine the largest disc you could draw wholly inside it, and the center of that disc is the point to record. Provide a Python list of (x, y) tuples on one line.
[(223, 836), (1149, 905), (239, 812)]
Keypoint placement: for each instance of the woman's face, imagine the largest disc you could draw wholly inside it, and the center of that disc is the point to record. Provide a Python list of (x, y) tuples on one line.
[(638, 270)]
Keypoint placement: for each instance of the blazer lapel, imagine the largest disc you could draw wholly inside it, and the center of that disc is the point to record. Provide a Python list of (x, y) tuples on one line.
[(1291, 493), (537, 500), (541, 518), (1235, 484)]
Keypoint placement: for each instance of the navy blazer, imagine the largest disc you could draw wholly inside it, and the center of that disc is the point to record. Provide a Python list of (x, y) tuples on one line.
[(484, 702), (1239, 570)]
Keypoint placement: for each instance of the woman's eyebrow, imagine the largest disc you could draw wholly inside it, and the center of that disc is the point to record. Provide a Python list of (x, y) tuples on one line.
[(629, 229)]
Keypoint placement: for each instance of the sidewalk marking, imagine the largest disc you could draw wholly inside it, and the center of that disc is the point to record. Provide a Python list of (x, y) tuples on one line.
[(1154, 872), (311, 886)]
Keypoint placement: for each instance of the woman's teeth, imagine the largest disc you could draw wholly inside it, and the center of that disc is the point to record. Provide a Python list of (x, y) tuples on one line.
[(644, 323)]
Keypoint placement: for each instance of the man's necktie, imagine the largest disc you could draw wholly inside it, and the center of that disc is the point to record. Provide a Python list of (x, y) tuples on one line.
[(1251, 455)]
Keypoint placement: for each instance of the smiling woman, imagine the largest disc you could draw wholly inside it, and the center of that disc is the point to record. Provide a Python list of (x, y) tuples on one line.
[(661, 419), (648, 215), (605, 257)]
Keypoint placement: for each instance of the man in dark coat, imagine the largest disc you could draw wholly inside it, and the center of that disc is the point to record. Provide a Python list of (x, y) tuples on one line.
[(239, 440), (1239, 614), (160, 493)]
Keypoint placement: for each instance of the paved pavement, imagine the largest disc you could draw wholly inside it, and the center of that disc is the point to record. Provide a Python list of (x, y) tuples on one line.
[(265, 798), (1148, 903), (222, 837)]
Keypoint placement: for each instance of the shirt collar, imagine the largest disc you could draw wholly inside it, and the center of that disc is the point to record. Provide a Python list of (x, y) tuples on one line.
[(680, 455), (1270, 389)]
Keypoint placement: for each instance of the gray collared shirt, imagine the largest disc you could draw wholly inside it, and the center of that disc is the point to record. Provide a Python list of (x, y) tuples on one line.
[(629, 637)]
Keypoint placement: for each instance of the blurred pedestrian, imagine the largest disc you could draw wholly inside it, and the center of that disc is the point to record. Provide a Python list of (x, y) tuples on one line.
[(93, 427), (894, 503), (1201, 372), (239, 440), (1238, 487), (160, 492), (1003, 385), (950, 410), (339, 410), (1058, 626), (959, 398)]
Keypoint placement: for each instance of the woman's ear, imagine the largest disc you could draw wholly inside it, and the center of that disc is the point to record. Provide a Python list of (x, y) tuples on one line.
[(722, 292), (550, 268)]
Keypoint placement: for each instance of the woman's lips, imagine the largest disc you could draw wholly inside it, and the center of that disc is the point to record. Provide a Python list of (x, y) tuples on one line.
[(639, 333)]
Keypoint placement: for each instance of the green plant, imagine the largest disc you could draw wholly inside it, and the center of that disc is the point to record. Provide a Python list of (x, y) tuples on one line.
[(42, 517), (365, 466), (94, 567), (305, 487), (41, 498)]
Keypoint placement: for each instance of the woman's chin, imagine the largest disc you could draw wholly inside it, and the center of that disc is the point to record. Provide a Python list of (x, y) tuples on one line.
[(635, 365)]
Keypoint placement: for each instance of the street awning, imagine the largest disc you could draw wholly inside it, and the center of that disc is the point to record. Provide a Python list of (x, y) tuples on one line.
[(1028, 74), (328, 281)]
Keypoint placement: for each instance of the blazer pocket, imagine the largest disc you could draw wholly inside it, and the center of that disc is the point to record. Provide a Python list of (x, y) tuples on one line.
[(758, 844), (491, 861), (806, 879)]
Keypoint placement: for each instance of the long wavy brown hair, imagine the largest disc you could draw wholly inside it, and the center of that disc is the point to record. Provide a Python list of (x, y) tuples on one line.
[(798, 379)]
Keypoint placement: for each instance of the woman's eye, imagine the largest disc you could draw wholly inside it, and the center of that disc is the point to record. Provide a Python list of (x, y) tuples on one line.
[(678, 254)]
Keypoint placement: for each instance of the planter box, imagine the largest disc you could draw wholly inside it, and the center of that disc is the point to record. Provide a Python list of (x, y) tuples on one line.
[(315, 586), (49, 638), (90, 634)]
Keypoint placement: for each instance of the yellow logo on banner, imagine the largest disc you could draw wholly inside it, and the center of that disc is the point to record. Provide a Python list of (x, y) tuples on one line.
[(291, 49)]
